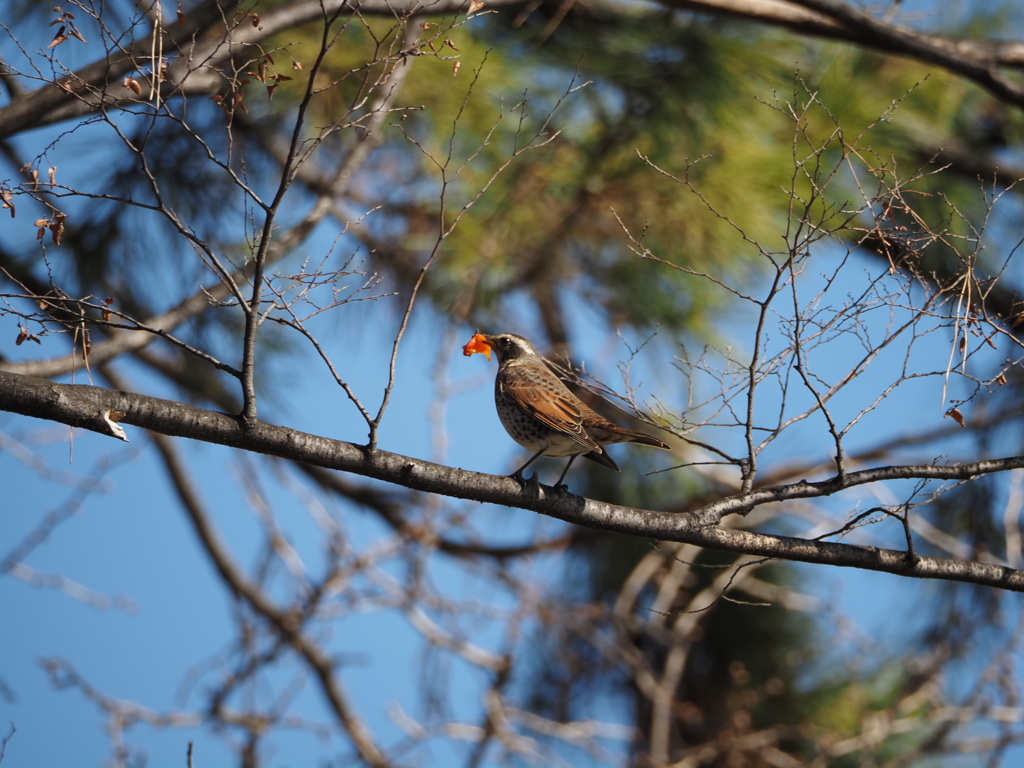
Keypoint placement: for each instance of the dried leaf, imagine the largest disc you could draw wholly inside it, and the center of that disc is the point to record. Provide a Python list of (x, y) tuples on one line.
[(181, 16), (133, 85), (59, 38), (220, 102), (955, 414), (53, 175), (278, 79), (24, 335), (455, 68), (474, 6), (57, 228), (450, 44)]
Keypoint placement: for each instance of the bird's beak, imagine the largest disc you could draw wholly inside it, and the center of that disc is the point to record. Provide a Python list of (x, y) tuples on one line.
[(479, 344)]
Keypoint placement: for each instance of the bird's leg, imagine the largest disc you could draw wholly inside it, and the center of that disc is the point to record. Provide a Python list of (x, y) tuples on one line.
[(518, 474), (559, 485)]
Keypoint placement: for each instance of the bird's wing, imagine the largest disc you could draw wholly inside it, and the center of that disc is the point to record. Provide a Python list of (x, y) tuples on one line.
[(553, 409)]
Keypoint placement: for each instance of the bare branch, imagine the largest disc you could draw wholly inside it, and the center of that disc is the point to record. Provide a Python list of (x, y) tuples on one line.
[(83, 406)]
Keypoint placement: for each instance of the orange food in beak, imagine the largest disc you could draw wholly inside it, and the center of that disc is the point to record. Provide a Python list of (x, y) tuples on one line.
[(477, 344)]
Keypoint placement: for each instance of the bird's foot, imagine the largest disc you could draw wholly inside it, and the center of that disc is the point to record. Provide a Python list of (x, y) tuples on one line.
[(531, 481)]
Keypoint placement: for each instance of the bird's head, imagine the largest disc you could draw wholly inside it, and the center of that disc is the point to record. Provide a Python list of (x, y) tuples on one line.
[(507, 346)]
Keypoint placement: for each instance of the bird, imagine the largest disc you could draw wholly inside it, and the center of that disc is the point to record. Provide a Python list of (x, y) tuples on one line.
[(540, 412)]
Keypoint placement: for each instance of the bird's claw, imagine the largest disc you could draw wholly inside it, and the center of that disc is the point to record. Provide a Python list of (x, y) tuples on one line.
[(526, 481)]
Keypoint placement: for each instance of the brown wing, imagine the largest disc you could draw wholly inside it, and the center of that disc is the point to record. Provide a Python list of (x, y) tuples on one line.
[(557, 410)]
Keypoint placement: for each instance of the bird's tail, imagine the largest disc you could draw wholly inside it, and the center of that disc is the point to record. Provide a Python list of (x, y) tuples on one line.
[(642, 439)]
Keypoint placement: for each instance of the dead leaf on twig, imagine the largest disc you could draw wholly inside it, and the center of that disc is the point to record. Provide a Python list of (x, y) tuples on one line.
[(954, 413)]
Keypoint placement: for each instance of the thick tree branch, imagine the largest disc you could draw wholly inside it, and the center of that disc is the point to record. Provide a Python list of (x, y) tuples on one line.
[(91, 407), (876, 33), (837, 22), (98, 84)]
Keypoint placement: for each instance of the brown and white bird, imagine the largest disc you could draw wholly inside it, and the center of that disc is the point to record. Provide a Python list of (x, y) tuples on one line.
[(541, 414)]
